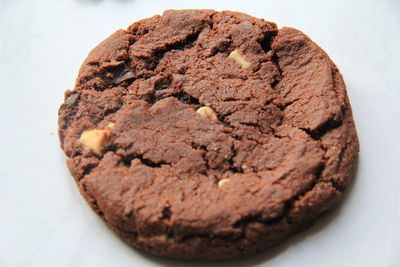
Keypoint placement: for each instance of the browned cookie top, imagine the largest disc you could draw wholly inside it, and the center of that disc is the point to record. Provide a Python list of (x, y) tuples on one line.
[(203, 134)]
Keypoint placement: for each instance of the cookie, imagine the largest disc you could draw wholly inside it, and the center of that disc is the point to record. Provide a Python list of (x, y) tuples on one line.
[(208, 135)]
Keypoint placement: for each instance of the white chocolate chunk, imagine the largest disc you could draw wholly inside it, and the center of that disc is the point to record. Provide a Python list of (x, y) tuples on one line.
[(207, 113), (156, 238), (94, 139), (222, 182), (110, 125), (239, 59)]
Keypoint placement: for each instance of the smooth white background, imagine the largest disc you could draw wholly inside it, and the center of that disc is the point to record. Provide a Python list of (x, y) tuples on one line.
[(45, 222)]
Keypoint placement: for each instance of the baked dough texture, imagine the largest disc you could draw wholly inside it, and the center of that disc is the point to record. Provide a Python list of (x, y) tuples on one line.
[(208, 135)]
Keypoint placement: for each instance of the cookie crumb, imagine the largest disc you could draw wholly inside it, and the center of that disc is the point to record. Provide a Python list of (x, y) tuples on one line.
[(239, 59)]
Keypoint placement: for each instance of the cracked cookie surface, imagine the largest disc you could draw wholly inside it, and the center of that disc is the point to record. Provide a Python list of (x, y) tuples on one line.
[(209, 135)]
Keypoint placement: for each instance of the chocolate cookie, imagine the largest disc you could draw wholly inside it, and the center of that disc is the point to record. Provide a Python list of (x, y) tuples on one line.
[(208, 135)]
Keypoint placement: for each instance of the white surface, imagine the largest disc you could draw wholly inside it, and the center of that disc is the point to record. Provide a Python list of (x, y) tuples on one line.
[(45, 222)]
